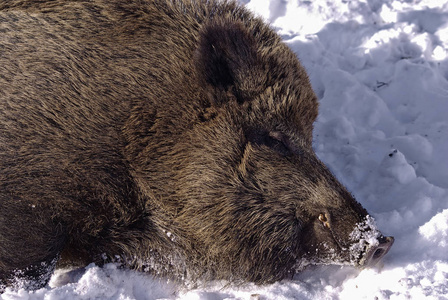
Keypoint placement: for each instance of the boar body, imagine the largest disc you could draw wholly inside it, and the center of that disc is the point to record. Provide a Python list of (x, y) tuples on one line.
[(173, 136)]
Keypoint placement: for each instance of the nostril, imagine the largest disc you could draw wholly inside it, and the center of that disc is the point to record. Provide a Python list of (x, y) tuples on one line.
[(374, 255), (378, 254)]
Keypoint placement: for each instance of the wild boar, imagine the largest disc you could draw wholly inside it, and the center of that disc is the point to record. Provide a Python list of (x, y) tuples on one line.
[(172, 136)]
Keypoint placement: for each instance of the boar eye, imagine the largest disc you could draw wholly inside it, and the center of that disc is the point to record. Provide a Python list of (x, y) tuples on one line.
[(324, 219)]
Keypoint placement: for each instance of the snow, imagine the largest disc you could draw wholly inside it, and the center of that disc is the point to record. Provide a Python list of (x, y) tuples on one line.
[(380, 70)]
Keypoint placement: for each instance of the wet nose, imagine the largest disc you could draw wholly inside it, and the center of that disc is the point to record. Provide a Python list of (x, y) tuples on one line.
[(375, 254)]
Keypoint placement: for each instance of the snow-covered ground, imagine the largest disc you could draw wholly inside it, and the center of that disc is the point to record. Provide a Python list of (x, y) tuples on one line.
[(380, 70)]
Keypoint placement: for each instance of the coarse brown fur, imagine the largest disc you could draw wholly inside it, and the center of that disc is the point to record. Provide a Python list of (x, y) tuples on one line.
[(173, 134)]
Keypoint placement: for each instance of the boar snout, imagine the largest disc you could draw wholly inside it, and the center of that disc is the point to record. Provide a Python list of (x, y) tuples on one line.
[(370, 245), (375, 254)]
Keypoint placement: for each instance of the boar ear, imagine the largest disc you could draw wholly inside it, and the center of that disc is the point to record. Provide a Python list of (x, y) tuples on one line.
[(227, 62)]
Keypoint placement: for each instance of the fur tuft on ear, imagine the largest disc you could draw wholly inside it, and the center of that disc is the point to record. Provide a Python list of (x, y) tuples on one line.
[(227, 62)]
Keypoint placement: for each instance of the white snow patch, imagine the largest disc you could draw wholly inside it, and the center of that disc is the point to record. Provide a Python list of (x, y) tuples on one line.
[(436, 230)]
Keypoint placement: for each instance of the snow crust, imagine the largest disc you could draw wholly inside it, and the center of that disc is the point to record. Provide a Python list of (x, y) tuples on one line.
[(366, 236), (380, 70)]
